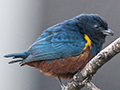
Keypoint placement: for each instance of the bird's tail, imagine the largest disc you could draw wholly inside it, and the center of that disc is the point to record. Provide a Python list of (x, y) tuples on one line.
[(22, 55)]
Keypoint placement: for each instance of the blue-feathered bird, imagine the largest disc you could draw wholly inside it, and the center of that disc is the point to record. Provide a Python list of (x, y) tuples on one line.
[(66, 47)]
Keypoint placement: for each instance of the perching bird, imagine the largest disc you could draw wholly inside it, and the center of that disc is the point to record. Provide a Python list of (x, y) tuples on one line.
[(66, 47)]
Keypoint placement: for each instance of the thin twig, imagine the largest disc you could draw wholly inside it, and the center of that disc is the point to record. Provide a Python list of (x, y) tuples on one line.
[(91, 86)]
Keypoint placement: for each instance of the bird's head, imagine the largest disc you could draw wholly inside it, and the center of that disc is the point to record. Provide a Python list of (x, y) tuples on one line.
[(94, 26)]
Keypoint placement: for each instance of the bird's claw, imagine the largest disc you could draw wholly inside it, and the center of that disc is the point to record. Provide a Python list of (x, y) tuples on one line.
[(75, 77), (63, 87)]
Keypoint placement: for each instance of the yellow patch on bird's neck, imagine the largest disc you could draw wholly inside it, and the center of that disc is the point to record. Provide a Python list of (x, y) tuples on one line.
[(88, 41)]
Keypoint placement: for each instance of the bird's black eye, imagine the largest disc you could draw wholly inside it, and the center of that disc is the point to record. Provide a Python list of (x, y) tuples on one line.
[(96, 26)]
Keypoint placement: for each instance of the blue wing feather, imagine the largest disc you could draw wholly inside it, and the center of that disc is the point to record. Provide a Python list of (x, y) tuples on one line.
[(58, 45), (55, 43)]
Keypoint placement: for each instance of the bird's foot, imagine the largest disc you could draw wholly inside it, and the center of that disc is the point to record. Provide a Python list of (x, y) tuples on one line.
[(62, 87), (75, 77)]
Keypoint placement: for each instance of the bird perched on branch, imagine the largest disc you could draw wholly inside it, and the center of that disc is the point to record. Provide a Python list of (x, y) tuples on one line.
[(66, 47)]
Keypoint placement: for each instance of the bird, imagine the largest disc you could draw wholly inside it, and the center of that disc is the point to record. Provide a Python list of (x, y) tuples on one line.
[(65, 48)]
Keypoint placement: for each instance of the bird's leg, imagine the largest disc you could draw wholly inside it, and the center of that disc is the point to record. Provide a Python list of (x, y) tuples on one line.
[(61, 84)]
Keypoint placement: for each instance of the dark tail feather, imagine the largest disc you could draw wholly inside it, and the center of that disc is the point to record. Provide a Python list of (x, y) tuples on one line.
[(14, 61), (22, 55), (18, 55)]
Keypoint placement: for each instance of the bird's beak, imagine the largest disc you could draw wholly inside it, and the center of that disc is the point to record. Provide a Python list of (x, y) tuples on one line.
[(108, 32)]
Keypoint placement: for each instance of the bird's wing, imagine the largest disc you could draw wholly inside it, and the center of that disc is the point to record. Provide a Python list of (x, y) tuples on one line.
[(57, 45)]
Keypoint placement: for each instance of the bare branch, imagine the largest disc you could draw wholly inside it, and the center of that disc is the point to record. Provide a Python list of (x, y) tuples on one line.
[(91, 86), (83, 77)]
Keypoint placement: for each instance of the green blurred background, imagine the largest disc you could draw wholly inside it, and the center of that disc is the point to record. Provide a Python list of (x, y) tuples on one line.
[(21, 23)]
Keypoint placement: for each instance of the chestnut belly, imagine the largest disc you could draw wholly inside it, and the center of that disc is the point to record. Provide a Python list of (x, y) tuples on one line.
[(64, 68)]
